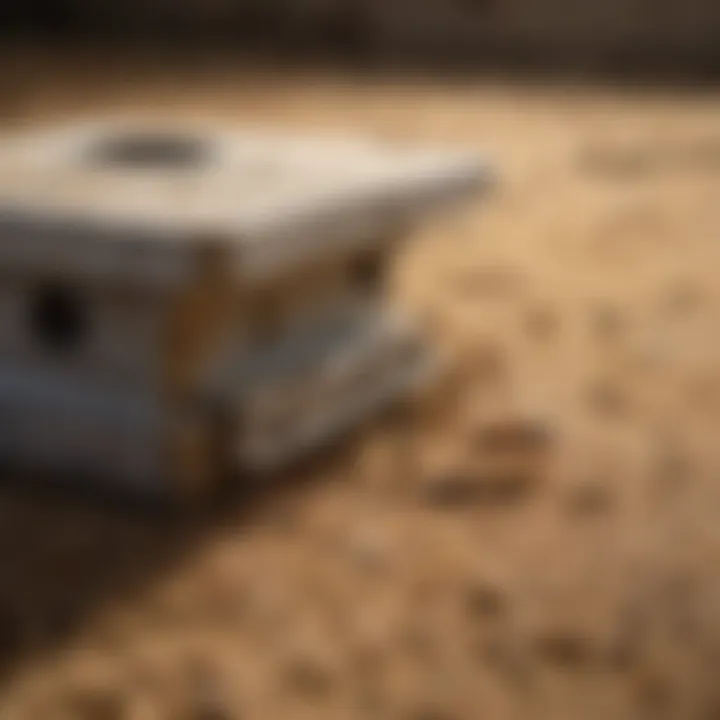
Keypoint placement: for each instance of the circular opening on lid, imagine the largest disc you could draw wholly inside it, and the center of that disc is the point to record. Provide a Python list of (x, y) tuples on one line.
[(150, 150)]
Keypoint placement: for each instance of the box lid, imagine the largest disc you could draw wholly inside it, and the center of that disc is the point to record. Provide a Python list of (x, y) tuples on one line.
[(273, 200)]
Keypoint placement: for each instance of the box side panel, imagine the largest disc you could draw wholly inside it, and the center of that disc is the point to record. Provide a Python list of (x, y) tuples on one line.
[(54, 324), (82, 366), (81, 429), (40, 242)]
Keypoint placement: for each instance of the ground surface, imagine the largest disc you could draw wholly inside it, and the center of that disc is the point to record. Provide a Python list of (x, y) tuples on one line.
[(539, 540)]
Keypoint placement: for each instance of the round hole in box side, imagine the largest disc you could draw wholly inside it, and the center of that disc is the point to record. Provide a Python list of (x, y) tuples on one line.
[(58, 317)]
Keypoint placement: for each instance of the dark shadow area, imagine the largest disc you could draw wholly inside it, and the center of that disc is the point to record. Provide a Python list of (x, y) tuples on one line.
[(346, 36), (65, 550)]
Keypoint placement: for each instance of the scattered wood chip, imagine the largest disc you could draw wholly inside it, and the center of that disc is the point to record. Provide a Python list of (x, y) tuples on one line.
[(512, 436), (98, 703), (490, 281), (309, 675), (497, 483), (607, 322), (368, 549), (449, 487), (590, 498), (654, 692), (615, 162), (207, 693), (682, 298), (485, 599), (542, 323), (673, 467), (505, 656), (566, 648), (607, 397), (430, 711)]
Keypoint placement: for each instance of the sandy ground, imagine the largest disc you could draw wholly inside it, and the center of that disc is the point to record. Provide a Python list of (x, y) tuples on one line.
[(538, 539)]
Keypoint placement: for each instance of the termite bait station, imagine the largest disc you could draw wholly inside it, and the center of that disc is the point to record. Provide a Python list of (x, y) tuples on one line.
[(176, 301)]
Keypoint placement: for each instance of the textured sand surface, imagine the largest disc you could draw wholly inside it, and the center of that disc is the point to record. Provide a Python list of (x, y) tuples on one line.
[(538, 539)]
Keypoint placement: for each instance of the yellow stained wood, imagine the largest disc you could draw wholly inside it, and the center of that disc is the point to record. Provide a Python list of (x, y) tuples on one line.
[(205, 317)]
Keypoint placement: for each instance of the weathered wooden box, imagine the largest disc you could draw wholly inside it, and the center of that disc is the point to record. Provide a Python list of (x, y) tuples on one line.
[(178, 301)]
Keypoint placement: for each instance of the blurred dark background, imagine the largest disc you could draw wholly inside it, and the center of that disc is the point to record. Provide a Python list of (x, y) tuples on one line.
[(626, 36)]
